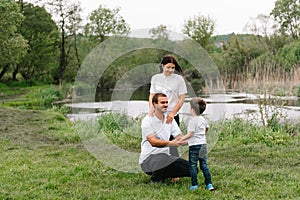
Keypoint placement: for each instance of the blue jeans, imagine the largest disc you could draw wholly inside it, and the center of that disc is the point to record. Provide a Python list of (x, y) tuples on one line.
[(199, 152)]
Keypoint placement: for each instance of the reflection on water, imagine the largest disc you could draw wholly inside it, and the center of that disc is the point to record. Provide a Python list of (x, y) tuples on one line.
[(142, 93)]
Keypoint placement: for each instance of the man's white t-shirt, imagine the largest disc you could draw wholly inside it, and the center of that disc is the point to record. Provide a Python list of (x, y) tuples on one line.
[(161, 130), (173, 86), (198, 125)]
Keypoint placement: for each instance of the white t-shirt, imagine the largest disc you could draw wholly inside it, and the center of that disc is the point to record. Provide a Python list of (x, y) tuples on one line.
[(173, 86), (152, 125), (198, 125)]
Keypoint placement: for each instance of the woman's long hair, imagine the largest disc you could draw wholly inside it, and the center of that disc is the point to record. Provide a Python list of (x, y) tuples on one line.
[(171, 59)]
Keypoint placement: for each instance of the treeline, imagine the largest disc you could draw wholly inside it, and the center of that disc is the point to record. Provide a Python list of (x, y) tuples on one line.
[(47, 43)]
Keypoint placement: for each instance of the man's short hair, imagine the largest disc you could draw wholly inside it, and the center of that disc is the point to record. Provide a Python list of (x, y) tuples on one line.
[(156, 96)]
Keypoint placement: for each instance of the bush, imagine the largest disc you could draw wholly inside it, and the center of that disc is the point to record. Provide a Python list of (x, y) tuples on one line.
[(237, 132), (114, 122)]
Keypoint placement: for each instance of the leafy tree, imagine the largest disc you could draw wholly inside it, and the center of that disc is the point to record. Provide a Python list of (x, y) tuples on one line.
[(104, 22), (289, 56), (236, 56), (74, 27), (62, 10), (159, 32), (200, 29), (12, 45), (287, 14), (42, 35)]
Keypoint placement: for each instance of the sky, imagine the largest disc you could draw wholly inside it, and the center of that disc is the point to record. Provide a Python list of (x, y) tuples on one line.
[(229, 15)]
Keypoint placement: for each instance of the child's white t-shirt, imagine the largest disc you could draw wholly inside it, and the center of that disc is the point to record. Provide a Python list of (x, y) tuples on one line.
[(198, 125)]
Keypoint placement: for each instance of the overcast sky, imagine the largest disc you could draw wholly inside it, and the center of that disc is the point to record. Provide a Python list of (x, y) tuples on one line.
[(229, 15)]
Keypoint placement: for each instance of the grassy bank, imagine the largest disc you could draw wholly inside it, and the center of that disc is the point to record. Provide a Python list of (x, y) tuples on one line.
[(42, 157)]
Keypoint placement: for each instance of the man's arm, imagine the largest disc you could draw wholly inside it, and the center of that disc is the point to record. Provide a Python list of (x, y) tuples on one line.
[(155, 142)]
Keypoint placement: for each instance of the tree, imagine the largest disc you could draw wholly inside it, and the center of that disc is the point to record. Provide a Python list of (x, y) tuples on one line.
[(74, 27), (62, 10), (42, 35), (236, 56), (12, 45), (262, 25), (159, 32), (287, 14), (104, 22), (200, 29)]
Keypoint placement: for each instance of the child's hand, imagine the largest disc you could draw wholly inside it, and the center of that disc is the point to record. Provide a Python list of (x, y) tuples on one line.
[(183, 142)]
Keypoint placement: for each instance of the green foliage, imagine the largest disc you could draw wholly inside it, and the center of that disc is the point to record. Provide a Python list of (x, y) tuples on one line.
[(132, 65), (25, 96), (114, 122), (12, 45), (289, 55), (104, 22), (121, 130), (241, 132), (237, 54), (200, 28), (42, 35), (45, 96), (159, 32), (287, 14), (240, 59)]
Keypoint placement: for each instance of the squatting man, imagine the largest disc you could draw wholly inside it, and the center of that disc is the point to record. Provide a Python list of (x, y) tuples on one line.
[(155, 159)]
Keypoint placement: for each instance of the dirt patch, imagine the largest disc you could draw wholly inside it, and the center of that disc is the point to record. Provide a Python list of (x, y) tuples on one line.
[(27, 128)]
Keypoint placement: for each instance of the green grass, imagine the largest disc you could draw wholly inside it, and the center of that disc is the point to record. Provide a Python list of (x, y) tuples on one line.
[(31, 97), (42, 157)]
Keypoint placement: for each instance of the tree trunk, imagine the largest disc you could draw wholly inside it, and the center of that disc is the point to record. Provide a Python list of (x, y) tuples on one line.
[(4, 70), (62, 63), (76, 49), (14, 74)]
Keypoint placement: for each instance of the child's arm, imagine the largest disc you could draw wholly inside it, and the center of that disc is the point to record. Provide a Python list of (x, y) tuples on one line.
[(187, 136)]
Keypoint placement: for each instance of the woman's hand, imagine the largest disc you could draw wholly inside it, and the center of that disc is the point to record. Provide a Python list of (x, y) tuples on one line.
[(170, 118)]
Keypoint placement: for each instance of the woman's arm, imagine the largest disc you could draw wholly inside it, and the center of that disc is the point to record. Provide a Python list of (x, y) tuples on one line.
[(179, 104), (151, 108)]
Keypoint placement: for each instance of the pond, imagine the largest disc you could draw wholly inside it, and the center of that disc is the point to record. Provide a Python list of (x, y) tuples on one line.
[(219, 106)]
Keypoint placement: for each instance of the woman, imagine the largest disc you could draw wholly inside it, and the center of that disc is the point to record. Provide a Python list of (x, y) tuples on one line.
[(171, 84)]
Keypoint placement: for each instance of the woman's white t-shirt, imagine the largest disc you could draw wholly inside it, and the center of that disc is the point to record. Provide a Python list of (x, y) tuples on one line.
[(173, 86)]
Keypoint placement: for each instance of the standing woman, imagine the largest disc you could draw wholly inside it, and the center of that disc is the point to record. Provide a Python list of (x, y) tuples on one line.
[(171, 84)]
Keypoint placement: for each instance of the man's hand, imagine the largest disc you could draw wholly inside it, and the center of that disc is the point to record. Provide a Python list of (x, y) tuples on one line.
[(174, 143)]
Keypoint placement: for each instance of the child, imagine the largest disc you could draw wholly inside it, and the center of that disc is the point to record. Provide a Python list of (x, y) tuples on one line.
[(197, 129)]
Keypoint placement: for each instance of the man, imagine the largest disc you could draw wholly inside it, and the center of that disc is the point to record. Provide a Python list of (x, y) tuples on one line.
[(155, 159)]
